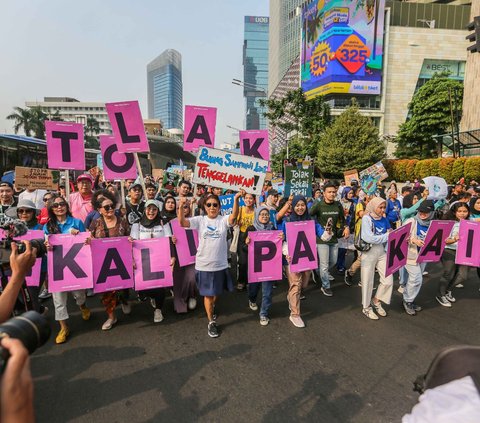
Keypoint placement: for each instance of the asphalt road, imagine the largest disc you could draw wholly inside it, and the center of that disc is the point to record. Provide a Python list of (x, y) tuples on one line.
[(341, 368)]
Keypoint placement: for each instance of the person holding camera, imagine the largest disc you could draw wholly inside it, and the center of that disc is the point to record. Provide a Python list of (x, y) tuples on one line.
[(61, 221)]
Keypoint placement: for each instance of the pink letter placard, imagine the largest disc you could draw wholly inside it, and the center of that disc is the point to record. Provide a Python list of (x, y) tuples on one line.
[(468, 250), (199, 129), (65, 145), (302, 245), (434, 243), (127, 126), (112, 264), (152, 263), (33, 277), (116, 165), (397, 249), (254, 143), (264, 256), (187, 243), (69, 263)]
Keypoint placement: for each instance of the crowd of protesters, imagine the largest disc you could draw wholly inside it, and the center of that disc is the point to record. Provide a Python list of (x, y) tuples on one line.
[(342, 214)]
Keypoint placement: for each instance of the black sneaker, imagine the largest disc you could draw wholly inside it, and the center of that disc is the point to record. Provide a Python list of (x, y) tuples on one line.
[(326, 291), (315, 277), (212, 330), (348, 278), (409, 308), (215, 314), (417, 308)]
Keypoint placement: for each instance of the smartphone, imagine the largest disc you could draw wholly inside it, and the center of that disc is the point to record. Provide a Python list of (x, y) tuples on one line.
[(328, 226)]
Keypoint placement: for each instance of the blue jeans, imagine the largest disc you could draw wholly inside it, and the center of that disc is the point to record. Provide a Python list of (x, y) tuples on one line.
[(342, 253), (414, 282), (267, 290), (327, 256)]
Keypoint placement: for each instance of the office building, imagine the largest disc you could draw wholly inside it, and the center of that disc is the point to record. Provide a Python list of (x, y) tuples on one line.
[(255, 70), (165, 89)]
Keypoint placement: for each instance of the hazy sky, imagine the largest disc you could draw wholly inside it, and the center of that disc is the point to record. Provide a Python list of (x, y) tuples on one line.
[(97, 50)]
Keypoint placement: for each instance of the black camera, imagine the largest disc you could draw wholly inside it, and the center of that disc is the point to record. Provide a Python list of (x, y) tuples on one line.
[(31, 328)]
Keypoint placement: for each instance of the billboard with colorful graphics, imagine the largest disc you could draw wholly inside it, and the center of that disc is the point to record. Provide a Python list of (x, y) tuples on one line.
[(342, 47)]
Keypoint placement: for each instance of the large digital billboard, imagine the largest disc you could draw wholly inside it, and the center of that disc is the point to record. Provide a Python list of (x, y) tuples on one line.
[(342, 47)]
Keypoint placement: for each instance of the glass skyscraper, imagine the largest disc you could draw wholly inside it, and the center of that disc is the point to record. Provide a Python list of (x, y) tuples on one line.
[(255, 70), (165, 90)]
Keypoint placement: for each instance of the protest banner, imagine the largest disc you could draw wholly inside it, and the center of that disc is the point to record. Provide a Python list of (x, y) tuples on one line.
[(434, 242), (157, 174), (437, 188), (116, 165), (298, 180), (278, 184), (170, 181), (65, 145), (34, 178), (187, 243), (349, 175), (200, 123), (376, 171), (127, 126), (226, 203), (302, 245), (33, 276), (228, 170), (112, 264), (468, 247), (264, 256), (397, 248), (254, 143), (69, 263), (152, 263)]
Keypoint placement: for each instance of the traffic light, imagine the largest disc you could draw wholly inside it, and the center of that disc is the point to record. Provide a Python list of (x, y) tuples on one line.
[(475, 36)]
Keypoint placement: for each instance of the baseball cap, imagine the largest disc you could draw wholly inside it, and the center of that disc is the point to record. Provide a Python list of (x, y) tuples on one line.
[(85, 176), (426, 207), (272, 192)]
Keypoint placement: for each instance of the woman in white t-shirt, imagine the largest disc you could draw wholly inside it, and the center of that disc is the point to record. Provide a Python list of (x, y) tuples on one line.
[(211, 266)]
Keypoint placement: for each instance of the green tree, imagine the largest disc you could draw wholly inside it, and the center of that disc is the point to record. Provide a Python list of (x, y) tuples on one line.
[(23, 120), (430, 114), (351, 142), (38, 118), (295, 149), (92, 129)]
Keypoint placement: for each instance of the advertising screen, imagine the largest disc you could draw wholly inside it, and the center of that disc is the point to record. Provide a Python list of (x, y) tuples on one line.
[(342, 47)]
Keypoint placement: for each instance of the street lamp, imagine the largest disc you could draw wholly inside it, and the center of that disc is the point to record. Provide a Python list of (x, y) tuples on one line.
[(249, 86)]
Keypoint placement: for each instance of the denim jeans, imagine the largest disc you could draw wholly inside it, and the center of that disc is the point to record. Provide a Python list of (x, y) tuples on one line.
[(327, 256), (342, 253), (414, 282), (267, 290)]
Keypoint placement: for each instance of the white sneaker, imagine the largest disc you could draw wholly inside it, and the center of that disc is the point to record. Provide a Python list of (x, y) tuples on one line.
[(109, 324), (425, 273), (264, 320), (460, 285), (192, 303), (157, 315), (370, 313), (297, 321), (253, 306), (126, 308), (379, 309), (330, 277), (401, 289), (153, 303)]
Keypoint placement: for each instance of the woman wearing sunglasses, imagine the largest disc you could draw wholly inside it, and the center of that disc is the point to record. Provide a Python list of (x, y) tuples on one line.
[(109, 225), (61, 222), (211, 265)]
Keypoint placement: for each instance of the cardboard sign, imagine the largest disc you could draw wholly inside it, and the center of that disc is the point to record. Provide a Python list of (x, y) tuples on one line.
[(264, 256), (200, 123), (434, 242), (170, 181), (187, 243), (69, 263), (376, 171), (349, 175), (397, 248), (152, 263), (227, 170), (128, 127), (65, 145), (112, 264), (33, 276), (298, 181), (254, 143), (157, 174), (116, 165), (34, 178), (302, 245), (468, 250)]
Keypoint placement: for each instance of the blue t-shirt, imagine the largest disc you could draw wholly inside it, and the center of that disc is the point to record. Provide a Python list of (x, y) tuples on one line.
[(70, 223), (421, 233), (380, 226)]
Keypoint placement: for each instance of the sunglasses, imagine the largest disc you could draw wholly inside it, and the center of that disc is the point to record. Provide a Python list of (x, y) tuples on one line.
[(24, 211), (214, 205), (108, 207), (47, 199), (57, 205)]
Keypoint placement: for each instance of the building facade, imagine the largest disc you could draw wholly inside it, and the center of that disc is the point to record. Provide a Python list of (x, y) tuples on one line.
[(73, 110), (255, 70), (165, 89)]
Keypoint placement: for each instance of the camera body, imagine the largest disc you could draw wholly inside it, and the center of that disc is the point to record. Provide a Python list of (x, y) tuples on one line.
[(6, 248)]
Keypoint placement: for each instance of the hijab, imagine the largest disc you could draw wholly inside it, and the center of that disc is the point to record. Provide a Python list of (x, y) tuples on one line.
[(262, 226), (345, 191), (372, 206), (294, 217), (425, 222), (167, 215), (146, 222)]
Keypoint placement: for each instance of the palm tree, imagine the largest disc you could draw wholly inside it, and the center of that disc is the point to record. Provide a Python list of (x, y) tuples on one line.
[(23, 119), (38, 118), (92, 129)]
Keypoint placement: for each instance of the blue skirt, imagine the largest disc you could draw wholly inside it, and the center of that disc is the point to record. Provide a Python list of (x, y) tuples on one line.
[(211, 284)]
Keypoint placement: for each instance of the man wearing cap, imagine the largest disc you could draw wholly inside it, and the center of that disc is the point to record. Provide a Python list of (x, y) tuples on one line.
[(7, 199), (135, 204), (81, 201)]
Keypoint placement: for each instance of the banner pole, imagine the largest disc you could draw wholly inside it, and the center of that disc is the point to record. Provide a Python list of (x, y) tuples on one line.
[(67, 185), (140, 173), (122, 189)]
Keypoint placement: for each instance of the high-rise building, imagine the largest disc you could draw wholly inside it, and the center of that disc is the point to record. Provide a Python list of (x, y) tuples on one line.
[(165, 89), (255, 70)]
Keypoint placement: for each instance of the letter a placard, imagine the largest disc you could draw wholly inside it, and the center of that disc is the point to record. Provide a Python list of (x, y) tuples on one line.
[(200, 123), (116, 165), (65, 145), (127, 126), (264, 256), (302, 246)]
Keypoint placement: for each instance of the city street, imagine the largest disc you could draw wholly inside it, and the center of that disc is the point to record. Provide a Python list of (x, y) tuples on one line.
[(341, 368)]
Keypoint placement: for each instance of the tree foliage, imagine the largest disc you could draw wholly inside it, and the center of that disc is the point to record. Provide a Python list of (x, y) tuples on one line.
[(430, 114), (92, 129), (351, 142), (31, 120)]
